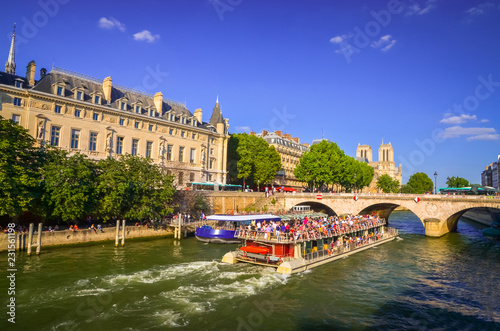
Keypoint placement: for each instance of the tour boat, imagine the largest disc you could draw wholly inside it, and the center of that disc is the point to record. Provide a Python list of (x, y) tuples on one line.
[(224, 227), (291, 254)]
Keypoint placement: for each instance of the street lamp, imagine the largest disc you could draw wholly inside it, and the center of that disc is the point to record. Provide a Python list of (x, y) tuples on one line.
[(435, 180)]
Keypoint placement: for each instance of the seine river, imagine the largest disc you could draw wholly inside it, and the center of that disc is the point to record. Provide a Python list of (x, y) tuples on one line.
[(413, 283)]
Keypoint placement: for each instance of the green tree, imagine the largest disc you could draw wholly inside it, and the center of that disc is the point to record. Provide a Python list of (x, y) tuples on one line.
[(387, 184), (20, 163), (133, 187), (69, 185), (419, 183), (457, 182)]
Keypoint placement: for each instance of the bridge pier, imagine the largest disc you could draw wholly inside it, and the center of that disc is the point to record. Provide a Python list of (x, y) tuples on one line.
[(435, 227)]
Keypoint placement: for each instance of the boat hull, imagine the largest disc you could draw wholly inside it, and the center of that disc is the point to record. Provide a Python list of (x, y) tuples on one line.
[(210, 235)]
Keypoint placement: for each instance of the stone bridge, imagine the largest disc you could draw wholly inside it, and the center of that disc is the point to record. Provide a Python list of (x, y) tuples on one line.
[(439, 213)]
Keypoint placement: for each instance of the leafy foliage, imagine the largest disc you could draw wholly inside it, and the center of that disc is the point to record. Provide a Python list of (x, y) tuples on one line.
[(387, 184), (326, 164), (457, 182), (419, 183), (20, 163)]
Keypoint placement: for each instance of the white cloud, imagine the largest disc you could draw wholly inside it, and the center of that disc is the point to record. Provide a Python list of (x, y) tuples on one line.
[(111, 23), (420, 9), (146, 35), (480, 9), (484, 120), (458, 119), (242, 128), (341, 38), (475, 133), (386, 42)]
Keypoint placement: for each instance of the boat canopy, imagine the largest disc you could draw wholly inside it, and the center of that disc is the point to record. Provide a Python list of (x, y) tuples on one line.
[(243, 218)]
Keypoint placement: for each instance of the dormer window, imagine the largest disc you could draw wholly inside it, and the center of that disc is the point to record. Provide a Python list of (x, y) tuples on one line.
[(152, 112), (122, 105), (138, 109), (172, 117), (183, 120), (19, 83), (79, 95), (59, 90), (195, 123), (97, 99)]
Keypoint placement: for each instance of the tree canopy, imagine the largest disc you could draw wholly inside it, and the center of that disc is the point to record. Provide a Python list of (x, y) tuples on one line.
[(457, 182), (419, 183), (387, 184), (326, 164), (20, 163), (252, 160)]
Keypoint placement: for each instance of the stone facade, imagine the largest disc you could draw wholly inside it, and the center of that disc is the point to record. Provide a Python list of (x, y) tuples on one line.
[(491, 175), (290, 150), (78, 113), (384, 166)]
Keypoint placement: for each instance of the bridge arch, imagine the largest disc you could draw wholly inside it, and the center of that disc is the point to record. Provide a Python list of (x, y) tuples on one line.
[(457, 213), (317, 207)]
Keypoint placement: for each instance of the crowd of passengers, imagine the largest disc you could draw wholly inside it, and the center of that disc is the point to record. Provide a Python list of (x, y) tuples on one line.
[(309, 228)]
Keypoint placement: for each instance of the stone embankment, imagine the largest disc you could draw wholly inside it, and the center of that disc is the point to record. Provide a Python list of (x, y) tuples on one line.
[(68, 237)]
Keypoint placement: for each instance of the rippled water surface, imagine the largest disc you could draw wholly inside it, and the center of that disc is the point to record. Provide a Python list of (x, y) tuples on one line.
[(414, 282)]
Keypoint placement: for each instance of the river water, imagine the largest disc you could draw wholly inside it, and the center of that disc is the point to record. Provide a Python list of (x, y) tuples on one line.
[(413, 282)]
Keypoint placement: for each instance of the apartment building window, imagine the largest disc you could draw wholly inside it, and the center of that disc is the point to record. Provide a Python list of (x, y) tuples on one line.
[(150, 127), (135, 144), (17, 102), (194, 136), (136, 125), (171, 132), (57, 109), (149, 148), (55, 134), (211, 163), (79, 95), (122, 121), (16, 118), (119, 145), (152, 113), (19, 83), (195, 123), (77, 112), (138, 109), (182, 134), (97, 99), (192, 155), (75, 138), (93, 141), (181, 154), (122, 105), (181, 178), (191, 177), (95, 116), (169, 152), (59, 90), (172, 118), (211, 151)]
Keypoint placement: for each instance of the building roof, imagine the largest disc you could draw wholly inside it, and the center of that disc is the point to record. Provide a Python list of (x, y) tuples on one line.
[(216, 114)]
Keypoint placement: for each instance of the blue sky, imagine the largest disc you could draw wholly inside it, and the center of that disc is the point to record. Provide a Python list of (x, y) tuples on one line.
[(423, 75)]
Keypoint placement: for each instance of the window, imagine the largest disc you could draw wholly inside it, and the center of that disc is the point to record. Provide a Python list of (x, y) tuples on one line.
[(59, 90), (16, 118), (55, 134), (149, 148), (195, 123), (17, 102), (57, 109), (136, 125), (95, 116), (150, 127), (122, 121), (192, 155), (122, 105), (19, 83), (169, 152), (138, 109), (183, 120), (152, 113), (181, 178), (119, 145), (211, 151), (75, 138), (77, 112), (210, 178), (181, 154), (211, 163), (93, 141), (79, 95), (97, 99), (172, 118), (191, 177), (182, 134), (135, 144), (171, 132), (194, 136)]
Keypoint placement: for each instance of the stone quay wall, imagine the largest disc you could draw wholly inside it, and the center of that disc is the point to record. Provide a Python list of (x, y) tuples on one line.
[(67, 237)]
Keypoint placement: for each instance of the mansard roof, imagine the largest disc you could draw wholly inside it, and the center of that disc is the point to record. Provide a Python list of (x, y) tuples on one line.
[(9, 79)]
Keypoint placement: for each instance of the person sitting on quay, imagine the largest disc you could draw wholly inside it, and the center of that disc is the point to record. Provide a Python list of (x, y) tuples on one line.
[(92, 227), (99, 227)]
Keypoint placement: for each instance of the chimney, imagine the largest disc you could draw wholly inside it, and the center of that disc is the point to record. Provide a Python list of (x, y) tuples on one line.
[(30, 73), (158, 100), (296, 139), (287, 136), (106, 87), (198, 113), (279, 133), (43, 73), (264, 133)]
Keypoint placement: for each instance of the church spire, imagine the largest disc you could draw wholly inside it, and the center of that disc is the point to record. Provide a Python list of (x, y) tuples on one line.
[(10, 65)]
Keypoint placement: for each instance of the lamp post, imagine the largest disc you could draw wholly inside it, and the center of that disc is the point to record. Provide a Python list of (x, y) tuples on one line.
[(435, 181)]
